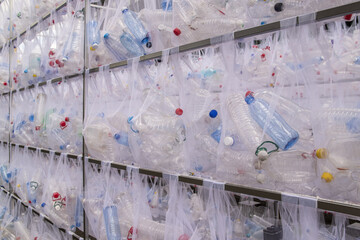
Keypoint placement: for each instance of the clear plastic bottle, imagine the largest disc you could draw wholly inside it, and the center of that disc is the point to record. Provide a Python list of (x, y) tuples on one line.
[(251, 228), (343, 153), (32, 188), (249, 132), (276, 127), (135, 26), (122, 138), (21, 231), (34, 65), (57, 216), (93, 34), (79, 213), (186, 10), (133, 48), (98, 139), (40, 110), (4, 174), (73, 44), (115, 47), (112, 223)]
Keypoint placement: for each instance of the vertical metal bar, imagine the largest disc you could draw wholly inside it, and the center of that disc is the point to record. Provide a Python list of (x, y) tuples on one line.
[(10, 82), (85, 222)]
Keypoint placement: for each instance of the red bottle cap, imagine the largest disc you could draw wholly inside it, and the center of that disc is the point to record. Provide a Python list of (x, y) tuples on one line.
[(249, 93), (177, 31), (62, 124), (5, 83), (67, 119), (263, 55), (52, 63), (56, 195), (37, 128), (179, 111), (348, 17), (51, 53), (29, 201)]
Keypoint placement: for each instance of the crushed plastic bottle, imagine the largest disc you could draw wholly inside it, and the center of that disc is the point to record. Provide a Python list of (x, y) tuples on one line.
[(275, 126), (115, 47), (133, 48), (112, 223), (40, 110), (135, 26)]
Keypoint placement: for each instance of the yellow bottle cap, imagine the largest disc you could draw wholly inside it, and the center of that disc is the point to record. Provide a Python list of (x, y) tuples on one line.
[(34, 75), (328, 177), (92, 49), (321, 153), (18, 185)]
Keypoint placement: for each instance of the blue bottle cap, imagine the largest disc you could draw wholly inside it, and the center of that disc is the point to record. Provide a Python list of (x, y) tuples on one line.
[(25, 71), (145, 40), (125, 10), (31, 118), (106, 35), (199, 168), (249, 99), (117, 136), (62, 147), (43, 204), (34, 201), (213, 113)]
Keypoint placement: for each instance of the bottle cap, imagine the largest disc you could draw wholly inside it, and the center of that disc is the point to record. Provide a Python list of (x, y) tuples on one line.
[(213, 113), (177, 31), (106, 35), (262, 155), (348, 17), (124, 9), (328, 177), (228, 141), (179, 111), (25, 71), (67, 119), (249, 93), (279, 7), (52, 63), (117, 136), (56, 195), (43, 204), (321, 153), (31, 118), (62, 124)]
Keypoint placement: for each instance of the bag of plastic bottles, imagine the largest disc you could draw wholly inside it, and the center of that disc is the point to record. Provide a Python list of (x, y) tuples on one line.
[(200, 103), (4, 68), (23, 126), (157, 129), (106, 128), (4, 22), (59, 109), (61, 200), (4, 118)]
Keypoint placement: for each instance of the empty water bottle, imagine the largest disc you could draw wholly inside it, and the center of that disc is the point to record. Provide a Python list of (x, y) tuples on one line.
[(215, 126), (93, 34), (122, 138), (275, 126), (135, 26), (131, 45), (343, 153), (73, 44), (32, 190), (40, 110), (79, 213), (34, 65), (115, 47), (112, 224), (4, 173)]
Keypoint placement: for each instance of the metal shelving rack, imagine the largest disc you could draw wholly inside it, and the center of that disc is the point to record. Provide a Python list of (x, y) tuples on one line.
[(323, 204)]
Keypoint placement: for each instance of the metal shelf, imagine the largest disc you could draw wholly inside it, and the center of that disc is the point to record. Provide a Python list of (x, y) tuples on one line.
[(323, 204), (75, 235)]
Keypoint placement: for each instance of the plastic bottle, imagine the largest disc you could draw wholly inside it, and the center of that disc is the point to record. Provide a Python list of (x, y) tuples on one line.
[(58, 217), (79, 213), (112, 223), (135, 26), (34, 65), (133, 48), (98, 139), (186, 10), (114, 47), (166, 5), (343, 153), (215, 126), (248, 131), (4, 173), (32, 190), (251, 228), (72, 45), (21, 231), (40, 110), (276, 127), (93, 34)]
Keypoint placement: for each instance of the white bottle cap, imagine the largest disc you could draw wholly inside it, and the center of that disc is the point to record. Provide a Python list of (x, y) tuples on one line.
[(263, 155), (260, 178), (228, 141), (57, 207)]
